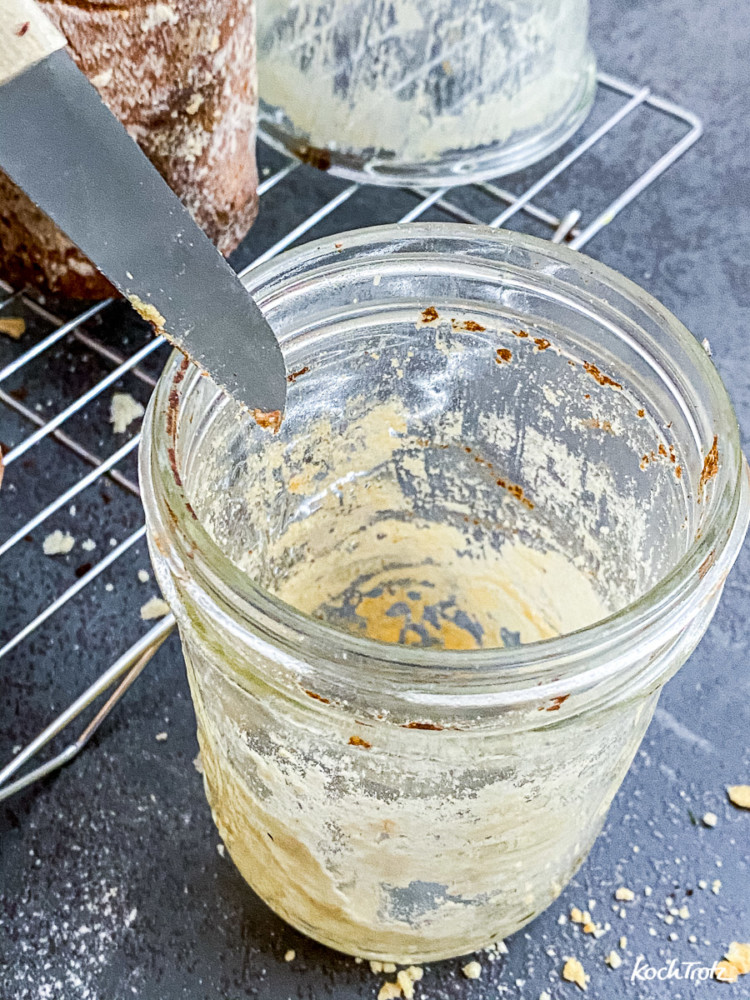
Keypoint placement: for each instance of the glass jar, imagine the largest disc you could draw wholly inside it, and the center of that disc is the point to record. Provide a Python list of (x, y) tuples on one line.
[(428, 93), (427, 623)]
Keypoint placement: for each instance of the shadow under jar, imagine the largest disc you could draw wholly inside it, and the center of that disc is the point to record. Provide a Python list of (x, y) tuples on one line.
[(427, 623), (423, 92)]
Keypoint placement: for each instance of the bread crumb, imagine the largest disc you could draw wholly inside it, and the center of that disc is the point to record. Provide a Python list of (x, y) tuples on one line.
[(290, 955), (13, 327), (647, 890), (472, 970), (544, 995), (161, 737), (623, 943), (573, 973), (375, 965), (624, 894), (389, 991), (406, 984), (389, 967), (575, 915), (613, 960), (88, 545), (148, 312), (739, 795), (143, 576), (58, 543), (415, 973), (155, 608), (220, 849), (710, 819), (198, 763), (736, 963), (683, 913), (716, 886), (123, 410)]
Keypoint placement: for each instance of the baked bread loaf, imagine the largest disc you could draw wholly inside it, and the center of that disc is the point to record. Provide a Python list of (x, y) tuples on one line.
[(180, 75)]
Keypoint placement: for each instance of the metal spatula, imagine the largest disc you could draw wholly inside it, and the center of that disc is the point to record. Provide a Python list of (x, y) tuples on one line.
[(67, 151)]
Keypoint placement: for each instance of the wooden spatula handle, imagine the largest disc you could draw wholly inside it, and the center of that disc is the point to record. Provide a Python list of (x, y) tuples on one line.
[(26, 37)]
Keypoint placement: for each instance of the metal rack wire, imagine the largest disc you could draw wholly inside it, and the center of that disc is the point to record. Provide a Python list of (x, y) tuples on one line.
[(568, 225)]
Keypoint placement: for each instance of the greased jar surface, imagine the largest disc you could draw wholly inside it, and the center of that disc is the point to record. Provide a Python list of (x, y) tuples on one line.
[(431, 93), (427, 623)]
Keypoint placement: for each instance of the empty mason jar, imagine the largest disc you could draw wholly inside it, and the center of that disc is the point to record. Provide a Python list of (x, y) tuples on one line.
[(424, 92), (427, 623)]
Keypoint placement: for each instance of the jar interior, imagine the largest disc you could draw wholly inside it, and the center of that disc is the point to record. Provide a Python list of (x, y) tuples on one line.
[(460, 472)]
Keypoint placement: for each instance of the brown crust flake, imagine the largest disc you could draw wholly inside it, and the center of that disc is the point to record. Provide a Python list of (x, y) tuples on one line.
[(422, 725), (430, 314), (541, 343), (710, 467), (318, 697), (293, 376), (516, 491), (599, 376), (357, 741), (504, 356), (268, 420)]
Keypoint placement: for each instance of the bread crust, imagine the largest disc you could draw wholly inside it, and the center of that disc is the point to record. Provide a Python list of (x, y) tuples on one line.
[(180, 75)]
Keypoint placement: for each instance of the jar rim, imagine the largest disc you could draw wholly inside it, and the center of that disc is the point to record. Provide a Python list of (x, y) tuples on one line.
[(225, 592)]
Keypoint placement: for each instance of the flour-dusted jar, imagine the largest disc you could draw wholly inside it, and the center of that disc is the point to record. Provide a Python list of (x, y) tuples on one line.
[(426, 624), (423, 92)]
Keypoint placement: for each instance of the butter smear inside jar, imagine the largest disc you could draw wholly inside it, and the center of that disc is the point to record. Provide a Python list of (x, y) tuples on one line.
[(426, 623)]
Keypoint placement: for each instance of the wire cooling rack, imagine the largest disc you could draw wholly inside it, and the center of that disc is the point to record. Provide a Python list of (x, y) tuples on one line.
[(64, 463)]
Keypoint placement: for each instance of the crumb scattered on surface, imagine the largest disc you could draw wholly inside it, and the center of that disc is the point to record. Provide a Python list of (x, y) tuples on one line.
[(143, 576), (716, 886), (198, 763), (161, 737), (13, 327), (389, 991), (736, 963), (472, 970), (155, 608), (58, 543), (289, 955), (88, 545), (624, 894), (220, 850), (739, 795), (613, 960), (573, 973), (406, 984), (710, 819), (623, 943), (123, 410)]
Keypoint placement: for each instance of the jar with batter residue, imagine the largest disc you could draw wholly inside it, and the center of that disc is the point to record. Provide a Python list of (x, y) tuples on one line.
[(426, 624), (428, 93)]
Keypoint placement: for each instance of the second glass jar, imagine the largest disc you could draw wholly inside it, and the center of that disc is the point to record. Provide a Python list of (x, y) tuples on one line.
[(424, 92)]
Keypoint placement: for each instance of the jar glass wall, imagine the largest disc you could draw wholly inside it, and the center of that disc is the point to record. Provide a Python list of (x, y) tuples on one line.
[(428, 93), (426, 624)]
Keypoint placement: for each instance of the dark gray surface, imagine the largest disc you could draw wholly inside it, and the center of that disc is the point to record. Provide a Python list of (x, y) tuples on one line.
[(112, 885)]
